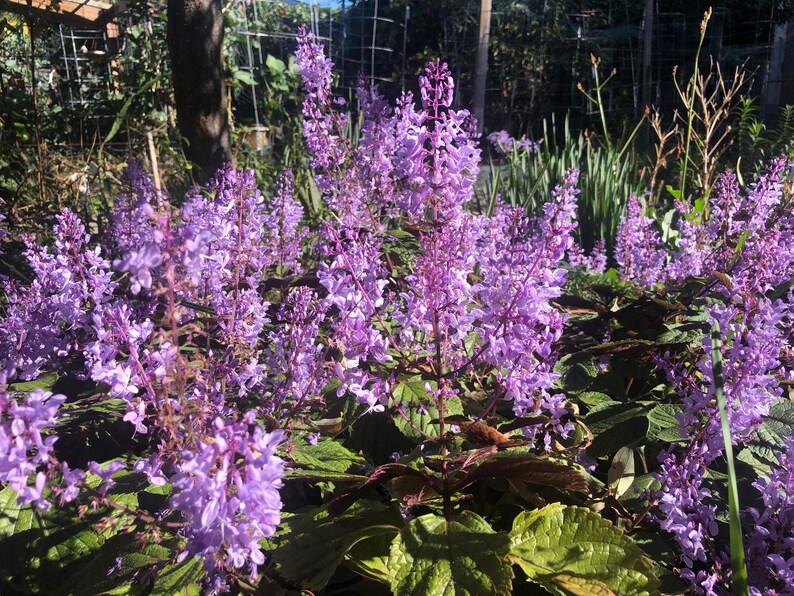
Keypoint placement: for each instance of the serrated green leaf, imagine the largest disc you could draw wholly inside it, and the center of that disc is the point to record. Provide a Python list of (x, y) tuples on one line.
[(419, 409), (592, 398), (316, 544), (780, 420), (752, 458), (576, 542), (576, 371), (637, 497), (462, 557), (579, 586), (320, 476), (370, 557), (662, 552), (327, 455), (44, 382), (686, 333), (615, 425), (664, 425), (179, 578), (111, 569), (39, 550)]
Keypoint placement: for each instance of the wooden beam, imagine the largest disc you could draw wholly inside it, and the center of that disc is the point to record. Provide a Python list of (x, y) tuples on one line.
[(84, 13)]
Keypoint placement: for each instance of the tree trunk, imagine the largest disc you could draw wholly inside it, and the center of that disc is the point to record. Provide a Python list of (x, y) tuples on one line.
[(481, 64), (195, 42)]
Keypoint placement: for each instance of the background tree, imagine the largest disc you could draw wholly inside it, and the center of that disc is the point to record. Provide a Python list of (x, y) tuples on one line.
[(195, 41)]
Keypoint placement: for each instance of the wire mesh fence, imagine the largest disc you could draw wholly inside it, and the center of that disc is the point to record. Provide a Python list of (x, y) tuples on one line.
[(540, 52)]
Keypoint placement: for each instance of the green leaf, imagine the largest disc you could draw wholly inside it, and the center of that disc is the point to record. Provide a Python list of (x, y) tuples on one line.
[(576, 371), (685, 334), (758, 462), (44, 382), (37, 549), (310, 552), (738, 564), (419, 409), (674, 192), (327, 455), (179, 578), (664, 425), (574, 542), (95, 577), (636, 498), (370, 557), (244, 77), (663, 553), (615, 425), (464, 556), (320, 476), (275, 65), (592, 398)]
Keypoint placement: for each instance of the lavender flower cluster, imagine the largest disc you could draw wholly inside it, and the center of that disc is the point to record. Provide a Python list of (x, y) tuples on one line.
[(742, 240), (505, 144), (174, 314), (476, 295), (744, 234), (758, 330), (174, 328), (221, 325)]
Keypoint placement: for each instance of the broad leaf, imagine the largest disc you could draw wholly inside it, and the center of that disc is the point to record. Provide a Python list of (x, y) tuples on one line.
[(576, 371), (112, 568), (464, 556), (45, 381), (380, 476), (309, 554), (370, 557), (764, 447), (615, 425), (685, 334), (574, 542), (419, 409), (663, 423), (327, 455), (528, 469), (40, 549), (179, 578)]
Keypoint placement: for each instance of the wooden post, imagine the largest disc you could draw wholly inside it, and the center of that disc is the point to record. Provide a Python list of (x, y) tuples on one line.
[(481, 64), (647, 47)]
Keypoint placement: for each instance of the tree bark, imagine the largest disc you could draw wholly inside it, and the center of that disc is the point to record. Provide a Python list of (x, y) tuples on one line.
[(481, 65), (195, 42)]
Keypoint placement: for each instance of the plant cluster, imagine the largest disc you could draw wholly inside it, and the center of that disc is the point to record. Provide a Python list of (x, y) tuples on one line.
[(212, 397)]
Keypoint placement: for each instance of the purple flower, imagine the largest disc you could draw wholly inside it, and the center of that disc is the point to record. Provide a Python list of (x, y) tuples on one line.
[(140, 263), (755, 332), (105, 474), (770, 537), (45, 321), (506, 144), (227, 490), (596, 262), (638, 247), (25, 447)]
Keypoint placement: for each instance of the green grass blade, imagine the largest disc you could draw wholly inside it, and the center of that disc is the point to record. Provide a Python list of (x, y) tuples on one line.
[(738, 564)]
